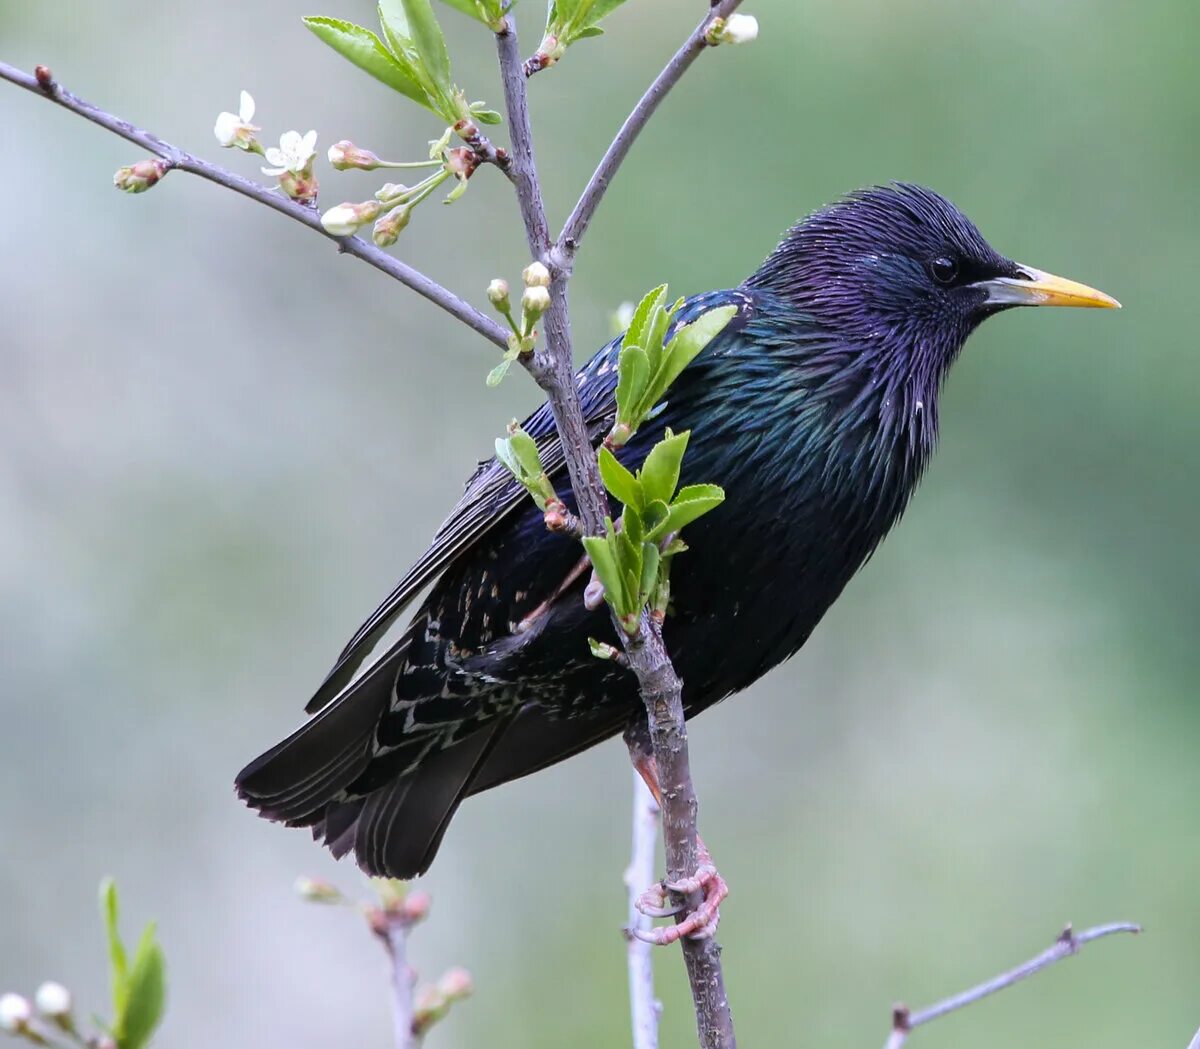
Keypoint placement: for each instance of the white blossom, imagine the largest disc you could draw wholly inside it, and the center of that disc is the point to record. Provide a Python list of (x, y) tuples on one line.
[(15, 1012), (235, 129), (53, 999), (294, 154), (740, 29)]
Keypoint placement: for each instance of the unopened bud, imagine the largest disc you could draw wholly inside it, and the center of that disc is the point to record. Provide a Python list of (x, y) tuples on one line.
[(497, 294), (387, 229), (456, 984), (416, 906), (345, 155), (139, 177), (461, 162), (53, 1000), (299, 187), (345, 219), (390, 191), (44, 77), (317, 890), (736, 29), (15, 1013), (535, 302), (535, 275)]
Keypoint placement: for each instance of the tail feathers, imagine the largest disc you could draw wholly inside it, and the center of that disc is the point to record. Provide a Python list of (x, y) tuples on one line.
[(294, 780), (395, 831)]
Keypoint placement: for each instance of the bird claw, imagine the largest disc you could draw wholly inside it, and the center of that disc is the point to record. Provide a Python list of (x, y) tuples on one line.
[(699, 924)]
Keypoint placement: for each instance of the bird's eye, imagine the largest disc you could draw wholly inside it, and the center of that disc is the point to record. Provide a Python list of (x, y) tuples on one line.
[(944, 269)]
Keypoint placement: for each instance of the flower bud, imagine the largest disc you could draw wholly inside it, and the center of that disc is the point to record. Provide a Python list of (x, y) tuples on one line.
[(461, 162), (345, 155), (344, 220), (53, 1000), (535, 301), (391, 191), (139, 177), (736, 29), (302, 188), (387, 229), (455, 984), (497, 294), (535, 275), (416, 906), (15, 1013), (317, 890)]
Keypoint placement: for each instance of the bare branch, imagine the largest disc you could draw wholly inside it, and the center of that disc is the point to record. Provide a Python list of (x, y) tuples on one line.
[(394, 934), (577, 225), (553, 370), (1195, 1042), (44, 85), (1067, 944), (644, 1007)]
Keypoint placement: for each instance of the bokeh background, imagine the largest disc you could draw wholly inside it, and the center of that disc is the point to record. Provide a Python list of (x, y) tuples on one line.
[(221, 443)]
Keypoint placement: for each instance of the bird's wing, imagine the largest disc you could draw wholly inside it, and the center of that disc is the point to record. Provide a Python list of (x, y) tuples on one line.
[(492, 494)]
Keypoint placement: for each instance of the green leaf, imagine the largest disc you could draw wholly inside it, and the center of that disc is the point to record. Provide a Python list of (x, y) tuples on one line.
[(147, 994), (687, 343), (469, 8), (525, 449), (604, 561), (660, 472), (621, 484), (636, 333), (118, 964), (650, 561), (633, 375), (486, 116), (426, 34), (654, 515), (496, 375), (366, 50), (591, 31), (692, 502), (505, 454)]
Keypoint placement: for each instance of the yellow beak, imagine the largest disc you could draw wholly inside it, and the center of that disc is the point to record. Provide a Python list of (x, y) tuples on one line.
[(1038, 288)]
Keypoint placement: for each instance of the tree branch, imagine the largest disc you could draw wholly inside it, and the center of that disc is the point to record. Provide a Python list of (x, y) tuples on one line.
[(45, 86), (394, 935), (581, 218), (553, 369), (644, 1007), (1067, 944)]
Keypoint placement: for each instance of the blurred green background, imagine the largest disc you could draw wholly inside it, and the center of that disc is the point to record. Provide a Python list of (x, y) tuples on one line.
[(221, 443)]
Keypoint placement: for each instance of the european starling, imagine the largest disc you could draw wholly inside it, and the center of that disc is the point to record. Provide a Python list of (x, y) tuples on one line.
[(816, 410)]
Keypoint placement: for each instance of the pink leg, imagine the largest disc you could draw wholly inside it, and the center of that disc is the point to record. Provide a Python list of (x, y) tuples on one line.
[(656, 901)]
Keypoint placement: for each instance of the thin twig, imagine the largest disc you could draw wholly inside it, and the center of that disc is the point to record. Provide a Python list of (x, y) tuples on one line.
[(180, 160), (1067, 944), (577, 225), (644, 1007), (553, 369), (395, 938), (1195, 1042)]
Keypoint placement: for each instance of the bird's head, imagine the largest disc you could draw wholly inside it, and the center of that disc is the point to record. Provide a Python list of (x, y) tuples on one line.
[(901, 266)]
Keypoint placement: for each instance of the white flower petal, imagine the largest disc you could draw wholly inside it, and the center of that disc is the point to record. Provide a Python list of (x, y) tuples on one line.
[(246, 109), (274, 172), (309, 142)]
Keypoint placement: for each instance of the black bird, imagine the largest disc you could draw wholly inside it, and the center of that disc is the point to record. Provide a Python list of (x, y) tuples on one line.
[(816, 410)]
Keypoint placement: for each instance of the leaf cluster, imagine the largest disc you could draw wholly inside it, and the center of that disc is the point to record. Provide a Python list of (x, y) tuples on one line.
[(570, 20), (139, 986), (519, 452), (411, 57)]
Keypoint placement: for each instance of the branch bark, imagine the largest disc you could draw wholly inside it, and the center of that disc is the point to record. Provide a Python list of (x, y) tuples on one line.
[(644, 1007), (1067, 944), (181, 160), (553, 368)]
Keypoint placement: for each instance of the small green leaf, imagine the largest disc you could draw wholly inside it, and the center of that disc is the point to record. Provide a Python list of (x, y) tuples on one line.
[(589, 32), (691, 503), (486, 116), (636, 333), (496, 375), (633, 375), (687, 343), (525, 449), (118, 964), (426, 34), (366, 50), (604, 561), (147, 994), (654, 515), (505, 454), (660, 472), (650, 562), (621, 484)]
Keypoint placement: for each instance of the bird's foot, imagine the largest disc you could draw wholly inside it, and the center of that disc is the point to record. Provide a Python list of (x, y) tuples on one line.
[(699, 924)]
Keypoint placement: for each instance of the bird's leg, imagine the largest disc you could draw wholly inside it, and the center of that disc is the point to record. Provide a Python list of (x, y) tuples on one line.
[(657, 902)]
